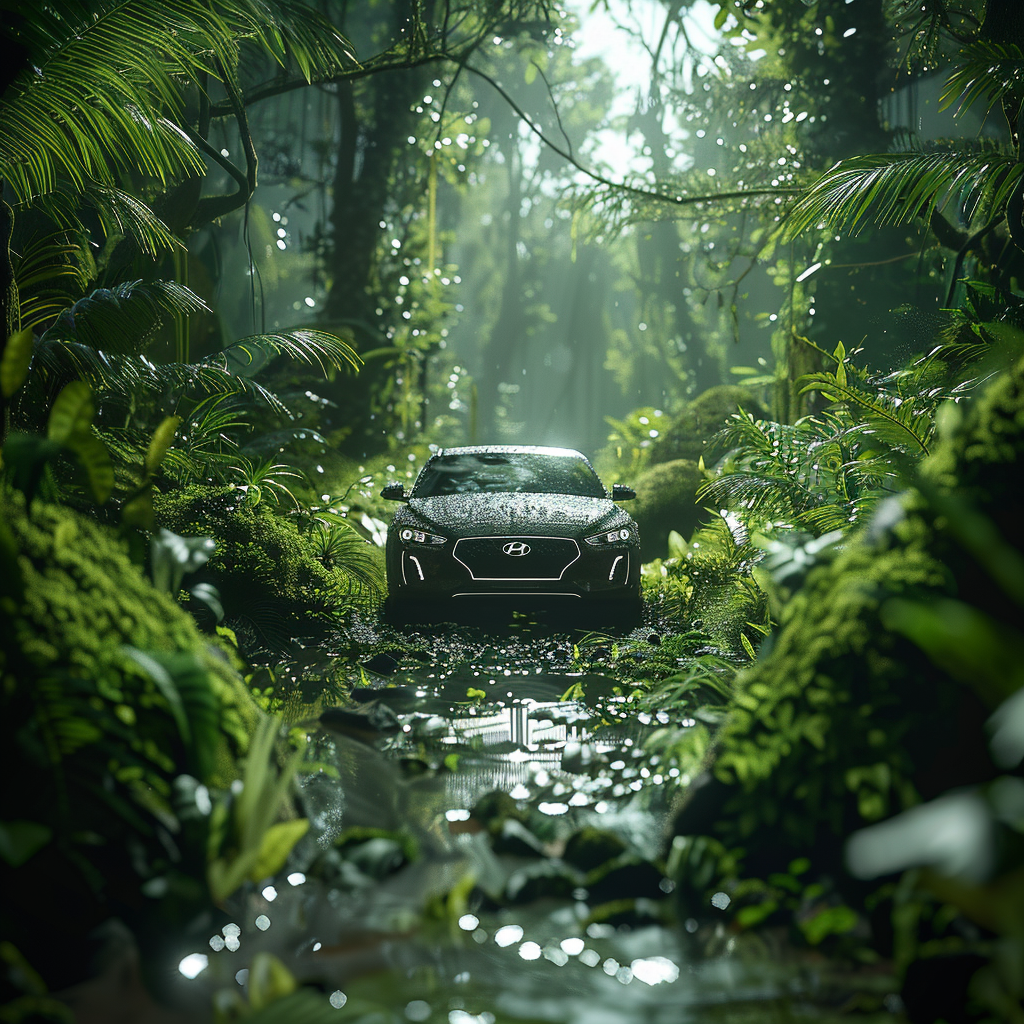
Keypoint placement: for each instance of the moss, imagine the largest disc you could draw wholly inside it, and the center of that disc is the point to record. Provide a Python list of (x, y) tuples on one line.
[(666, 501), (108, 746), (819, 736), (688, 434), (82, 603), (262, 567), (843, 722)]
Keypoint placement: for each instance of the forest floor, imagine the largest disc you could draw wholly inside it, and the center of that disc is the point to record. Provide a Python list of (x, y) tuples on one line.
[(491, 841)]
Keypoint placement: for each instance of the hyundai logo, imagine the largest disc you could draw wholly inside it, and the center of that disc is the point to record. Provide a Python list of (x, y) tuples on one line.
[(516, 548)]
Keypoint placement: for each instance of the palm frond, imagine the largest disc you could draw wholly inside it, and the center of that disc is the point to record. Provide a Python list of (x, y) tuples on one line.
[(987, 71), (98, 99), (106, 90), (823, 473), (124, 378), (760, 495), (51, 271), (121, 213), (315, 348), (898, 423), (122, 319), (894, 188), (340, 547), (291, 28)]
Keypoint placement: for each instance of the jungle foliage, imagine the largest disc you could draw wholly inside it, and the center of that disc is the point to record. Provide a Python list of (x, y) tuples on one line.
[(189, 543)]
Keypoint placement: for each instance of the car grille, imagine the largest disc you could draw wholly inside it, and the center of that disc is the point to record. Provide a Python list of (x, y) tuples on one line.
[(546, 559)]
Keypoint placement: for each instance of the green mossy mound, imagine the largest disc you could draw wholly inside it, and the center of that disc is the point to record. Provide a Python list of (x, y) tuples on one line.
[(666, 501), (688, 434), (73, 603), (267, 575), (111, 697), (845, 721)]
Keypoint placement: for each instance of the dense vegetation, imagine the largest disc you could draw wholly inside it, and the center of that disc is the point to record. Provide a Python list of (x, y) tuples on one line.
[(800, 327)]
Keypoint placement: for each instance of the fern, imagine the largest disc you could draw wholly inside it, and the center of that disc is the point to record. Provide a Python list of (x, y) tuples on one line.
[(986, 71), (897, 423), (893, 189), (121, 320)]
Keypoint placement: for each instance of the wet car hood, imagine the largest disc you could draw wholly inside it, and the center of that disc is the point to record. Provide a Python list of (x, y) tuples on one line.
[(502, 512)]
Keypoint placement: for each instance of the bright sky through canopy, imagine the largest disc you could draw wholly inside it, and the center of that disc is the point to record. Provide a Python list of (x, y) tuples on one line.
[(600, 35)]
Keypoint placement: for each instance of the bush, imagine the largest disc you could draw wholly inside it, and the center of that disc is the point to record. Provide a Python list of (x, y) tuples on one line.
[(266, 571), (874, 693)]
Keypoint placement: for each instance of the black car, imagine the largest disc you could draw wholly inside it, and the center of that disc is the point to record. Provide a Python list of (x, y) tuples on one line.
[(513, 525)]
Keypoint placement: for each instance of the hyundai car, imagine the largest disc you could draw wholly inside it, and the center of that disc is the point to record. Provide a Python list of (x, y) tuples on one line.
[(511, 525)]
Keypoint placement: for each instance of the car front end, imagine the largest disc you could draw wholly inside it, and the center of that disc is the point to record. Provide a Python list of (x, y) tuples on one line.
[(457, 553)]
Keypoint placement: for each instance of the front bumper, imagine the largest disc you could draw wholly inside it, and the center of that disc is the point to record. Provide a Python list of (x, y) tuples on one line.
[(524, 567)]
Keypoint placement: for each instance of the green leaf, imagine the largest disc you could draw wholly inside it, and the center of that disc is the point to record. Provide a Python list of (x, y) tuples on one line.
[(71, 414), (19, 840), (277, 844), (172, 557), (15, 362), (161, 441), (830, 921), (749, 917), (677, 546), (158, 673), (748, 647), (95, 460), (840, 357), (269, 980)]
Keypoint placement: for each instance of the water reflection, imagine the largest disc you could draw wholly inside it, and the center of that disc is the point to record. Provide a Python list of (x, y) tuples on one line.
[(486, 845)]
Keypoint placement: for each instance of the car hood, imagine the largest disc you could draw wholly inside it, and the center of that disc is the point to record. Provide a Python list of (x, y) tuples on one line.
[(547, 515)]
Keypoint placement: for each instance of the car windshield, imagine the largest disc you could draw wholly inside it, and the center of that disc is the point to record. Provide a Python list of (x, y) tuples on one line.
[(517, 472)]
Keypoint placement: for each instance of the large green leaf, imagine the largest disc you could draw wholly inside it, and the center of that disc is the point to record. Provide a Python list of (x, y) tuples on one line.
[(95, 461), (185, 683), (278, 842), (15, 362), (71, 414), (163, 438)]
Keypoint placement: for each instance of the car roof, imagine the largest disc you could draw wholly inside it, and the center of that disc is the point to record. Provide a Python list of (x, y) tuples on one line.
[(524, 449)]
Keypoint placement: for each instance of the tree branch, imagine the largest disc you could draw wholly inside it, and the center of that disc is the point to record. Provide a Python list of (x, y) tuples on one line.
[(212, 207), (663, 197)]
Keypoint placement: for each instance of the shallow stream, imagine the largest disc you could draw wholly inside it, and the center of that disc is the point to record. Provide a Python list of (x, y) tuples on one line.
[(491, 840)]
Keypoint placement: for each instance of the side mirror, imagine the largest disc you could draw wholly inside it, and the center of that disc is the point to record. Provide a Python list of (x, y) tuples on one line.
[(620, 492), (393, 492)]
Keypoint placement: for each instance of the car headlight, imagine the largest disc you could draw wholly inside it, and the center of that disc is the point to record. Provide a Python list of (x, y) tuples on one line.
[(610, 537), (410, 536)]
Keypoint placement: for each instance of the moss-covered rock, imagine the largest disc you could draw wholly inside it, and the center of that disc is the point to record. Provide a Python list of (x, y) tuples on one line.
[(844, 720), (687, 436), (111, 700), (265, 571), (79, 606), (666, 501)]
